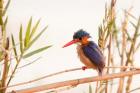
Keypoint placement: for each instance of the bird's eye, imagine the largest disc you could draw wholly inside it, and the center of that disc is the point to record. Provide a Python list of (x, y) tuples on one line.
[(80, 38)]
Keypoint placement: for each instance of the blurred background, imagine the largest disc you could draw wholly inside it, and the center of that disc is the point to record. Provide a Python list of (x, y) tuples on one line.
[(63, 17)]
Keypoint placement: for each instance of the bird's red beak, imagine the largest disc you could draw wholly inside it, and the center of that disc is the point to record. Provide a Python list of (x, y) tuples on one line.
[(71, 42)]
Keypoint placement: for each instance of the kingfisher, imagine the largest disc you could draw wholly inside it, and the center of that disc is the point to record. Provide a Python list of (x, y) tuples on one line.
[(88, 51)]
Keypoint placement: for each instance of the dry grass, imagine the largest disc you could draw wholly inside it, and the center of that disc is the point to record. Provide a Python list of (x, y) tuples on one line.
[(118, 38)]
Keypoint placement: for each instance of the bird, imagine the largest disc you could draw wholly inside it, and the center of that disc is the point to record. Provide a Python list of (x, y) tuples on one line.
[(88, 51)]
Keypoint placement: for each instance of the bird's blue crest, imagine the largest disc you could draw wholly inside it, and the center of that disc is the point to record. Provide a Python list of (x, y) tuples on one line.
[(80, 33)]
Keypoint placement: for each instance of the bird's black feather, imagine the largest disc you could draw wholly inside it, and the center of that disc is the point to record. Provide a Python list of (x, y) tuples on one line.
[(80, 33)]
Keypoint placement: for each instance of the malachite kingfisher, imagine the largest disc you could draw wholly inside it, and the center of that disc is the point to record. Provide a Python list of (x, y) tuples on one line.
[(88, 51)]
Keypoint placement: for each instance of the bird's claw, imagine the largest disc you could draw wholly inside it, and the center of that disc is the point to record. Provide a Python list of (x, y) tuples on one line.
[(84, 68)]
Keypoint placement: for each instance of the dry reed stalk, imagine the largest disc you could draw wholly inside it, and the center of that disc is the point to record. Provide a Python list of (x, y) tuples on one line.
[(136, 35), (78, 81), (5, 66), (131, 53), (97, 85), (61, 72), (111, 17), (124, 38)]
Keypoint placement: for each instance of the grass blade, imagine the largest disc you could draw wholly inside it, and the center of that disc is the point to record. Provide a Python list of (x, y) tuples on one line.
[(35, 28), (90, 89), (32, 42), (6, 7), (1, 21), (138, 25), (133, 24), (30, 63), (138, 46), (5, 22), (1, 56), (28, 30), (20, 40), (36, 51), (14, 48)]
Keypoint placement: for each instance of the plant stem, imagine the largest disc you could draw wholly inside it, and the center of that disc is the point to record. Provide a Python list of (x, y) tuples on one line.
[(18, 61), (5, 70), (64, 71), (78, 81)]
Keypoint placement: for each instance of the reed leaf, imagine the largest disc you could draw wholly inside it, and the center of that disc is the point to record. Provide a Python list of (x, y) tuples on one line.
[(36, 51), (90, 89), (1, 20), (6, 7), (1, 56), (138, 46), (138, 35), (27, 36), (133, 24), (110, 23), (128, 36), (21, 40), (35, 28), (36, 38), (138, 26), (14, 48), (101, 37), (8, 67), (131, 15), (5, 22)]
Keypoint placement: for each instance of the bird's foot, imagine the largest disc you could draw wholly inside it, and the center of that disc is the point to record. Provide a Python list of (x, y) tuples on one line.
[(75, 84), (84, 67)]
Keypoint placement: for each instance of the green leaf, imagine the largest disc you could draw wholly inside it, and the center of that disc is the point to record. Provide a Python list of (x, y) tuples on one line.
[(32, 42), (131, 15), (5, 22), (138, 35), (138, 46), (14, 46), (36, 51), (110, 25), (6, 7), (20, 40), (7, 44), (90, 89), (29, 63), (138, 25), (8, 67), (1, 56), (28, 30), (1, 21), (133, 24), (35, 28), (136, 30), (128, 36)]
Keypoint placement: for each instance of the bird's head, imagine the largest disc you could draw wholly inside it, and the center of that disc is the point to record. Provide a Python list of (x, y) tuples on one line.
[(80, 36)]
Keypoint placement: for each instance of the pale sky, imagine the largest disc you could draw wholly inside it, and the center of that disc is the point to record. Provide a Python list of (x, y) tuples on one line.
[(63, 17)]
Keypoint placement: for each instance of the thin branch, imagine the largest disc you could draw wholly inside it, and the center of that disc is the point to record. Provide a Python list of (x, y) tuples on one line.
[(61, 72), (5, 67), (13, 72), (43, 77), (29, 63), (78, 81), (59, 90), (134, 90), (130, 14)]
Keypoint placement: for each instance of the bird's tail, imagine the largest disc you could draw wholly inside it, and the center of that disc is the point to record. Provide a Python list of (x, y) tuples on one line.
[(100, 71), (101, 68)]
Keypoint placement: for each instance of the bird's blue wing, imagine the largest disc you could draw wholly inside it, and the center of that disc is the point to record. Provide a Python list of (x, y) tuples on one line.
[(93, 52)]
